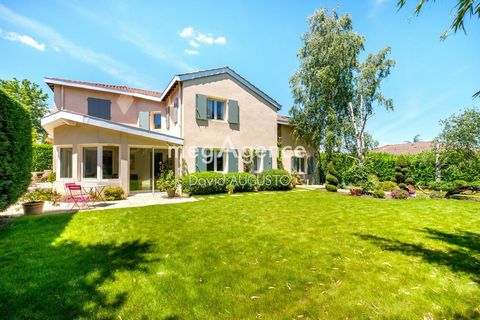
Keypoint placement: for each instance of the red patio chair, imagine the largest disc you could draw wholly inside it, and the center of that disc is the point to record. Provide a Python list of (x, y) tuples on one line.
[(68, 198), (78, 196)]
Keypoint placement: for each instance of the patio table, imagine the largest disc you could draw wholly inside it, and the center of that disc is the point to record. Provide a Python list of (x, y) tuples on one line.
[(96, 190)]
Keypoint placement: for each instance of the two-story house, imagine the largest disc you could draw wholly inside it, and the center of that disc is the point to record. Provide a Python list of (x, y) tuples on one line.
[(202, 121)]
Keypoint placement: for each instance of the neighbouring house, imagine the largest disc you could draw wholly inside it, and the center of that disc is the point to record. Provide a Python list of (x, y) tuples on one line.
[(202, 121), (406, 148)]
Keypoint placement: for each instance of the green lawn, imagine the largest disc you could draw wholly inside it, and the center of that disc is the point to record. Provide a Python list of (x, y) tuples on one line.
[(280, 255)]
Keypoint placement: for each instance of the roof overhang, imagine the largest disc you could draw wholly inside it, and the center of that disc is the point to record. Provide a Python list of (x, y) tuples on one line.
[(224, 70), (59, 118), (50, 82)]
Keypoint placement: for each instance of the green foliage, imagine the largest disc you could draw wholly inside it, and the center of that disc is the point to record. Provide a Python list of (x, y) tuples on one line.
[(398, 193), (15, 149), (204, 183), (230, 188), (32, 96), (241, 181), (369, 185), (379, 194), (52, 176), (275, 179), (401, 170), (381, 164), (112, 193), (42, 195), (387, 185), (168, 182), (332, 180), (409, 180), (42, 155)]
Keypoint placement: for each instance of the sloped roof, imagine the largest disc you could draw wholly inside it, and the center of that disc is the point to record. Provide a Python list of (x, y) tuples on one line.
[(142, 93), (282, 119), (406, 148)]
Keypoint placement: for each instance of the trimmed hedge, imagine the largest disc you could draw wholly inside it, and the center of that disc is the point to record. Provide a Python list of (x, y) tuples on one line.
[(213, 182), (275, 179), (242, 181), (42, 155), (15, 149)]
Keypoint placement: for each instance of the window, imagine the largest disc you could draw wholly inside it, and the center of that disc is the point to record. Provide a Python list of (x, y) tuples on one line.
[(110, 162), (215, 160), (215, 109), (90, 162), (256, 163), (157, 120), (298, 164), (99, 108), (65, 155)]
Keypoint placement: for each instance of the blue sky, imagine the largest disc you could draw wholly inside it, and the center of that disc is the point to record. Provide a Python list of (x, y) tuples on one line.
[(144, 44)]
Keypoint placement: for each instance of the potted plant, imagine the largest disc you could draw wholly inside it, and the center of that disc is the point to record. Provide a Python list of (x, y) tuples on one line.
[(34, 200), (168, 183)]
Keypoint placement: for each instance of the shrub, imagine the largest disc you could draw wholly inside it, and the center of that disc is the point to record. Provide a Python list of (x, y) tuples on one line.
[(230, 188), (381, 164), (332, 180), (356, 174), (52, 176), (436, 195), (367, 186), (409, 181), (168, 182), (398, 193), (42, 195), (42, 155), (204, 183), (379, 194), (15, 150), (112, 193), (387, 185), (401, 169), (475, 185), (296, 179), (275, 179), (241, 181)]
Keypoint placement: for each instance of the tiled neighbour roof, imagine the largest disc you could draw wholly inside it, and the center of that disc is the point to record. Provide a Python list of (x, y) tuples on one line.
[(406, 148), (155, 94)]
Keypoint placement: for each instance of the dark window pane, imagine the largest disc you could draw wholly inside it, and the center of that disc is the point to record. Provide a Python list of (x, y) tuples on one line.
[(220, 110), (157, 120), (255, 163), (65, 162), (110, 163), (99, 108), (219, 159), (210, 108), (90, 162), (209, 160)]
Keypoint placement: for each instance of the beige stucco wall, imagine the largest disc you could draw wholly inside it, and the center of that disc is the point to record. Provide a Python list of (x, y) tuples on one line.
[(124, 108), (80, 135), (257, 128)]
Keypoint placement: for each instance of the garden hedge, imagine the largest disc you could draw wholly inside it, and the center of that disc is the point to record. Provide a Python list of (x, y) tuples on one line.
[(42, 155), (15, 149), (275, 179)]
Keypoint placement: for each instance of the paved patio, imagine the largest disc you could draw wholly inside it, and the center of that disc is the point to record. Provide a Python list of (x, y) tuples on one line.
[(136, 200)]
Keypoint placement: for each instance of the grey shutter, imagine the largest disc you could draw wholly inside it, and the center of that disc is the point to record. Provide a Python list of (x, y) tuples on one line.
[(144, 120), (310, 165), (167, 118), (232, 161), (99, 108), (200, 164), (201, 107), (293, 162), (267, 161), (233, 112), (175, 111)]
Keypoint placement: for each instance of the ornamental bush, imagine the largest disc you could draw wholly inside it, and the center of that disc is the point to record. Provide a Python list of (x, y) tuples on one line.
[(204, 183), (401, 169), (332, 180), (112, 193), (241, 181), (15, 149), (387, 185), (380, 194), (398, 193), (42, 155), (275, 179)]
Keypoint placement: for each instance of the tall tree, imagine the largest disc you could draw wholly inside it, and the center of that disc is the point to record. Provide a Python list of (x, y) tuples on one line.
[(32, 96), (322, 87), (371, 73)]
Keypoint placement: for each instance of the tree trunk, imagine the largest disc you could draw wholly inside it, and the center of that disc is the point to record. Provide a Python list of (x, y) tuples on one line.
[(358, 137), (438, 168)]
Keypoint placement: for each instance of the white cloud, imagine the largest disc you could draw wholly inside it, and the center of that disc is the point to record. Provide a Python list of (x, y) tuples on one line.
[(26, 40), (194, 43), (187, 32), (220, 40), (99, 60), (190, 52)]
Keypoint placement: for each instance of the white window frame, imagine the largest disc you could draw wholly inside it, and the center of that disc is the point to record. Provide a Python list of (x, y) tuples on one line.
[(216, 100), (58, 164), (99, 162), (294, 158), (259, 156), (215, 153)]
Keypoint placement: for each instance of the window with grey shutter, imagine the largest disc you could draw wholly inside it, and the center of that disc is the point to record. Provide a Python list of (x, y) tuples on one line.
[(175, 111), (233, 112), (310, 165), (201, 107), (144, 120), (232, 161), (200, 164), (267, 161), (99, 108), (167, 118)]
